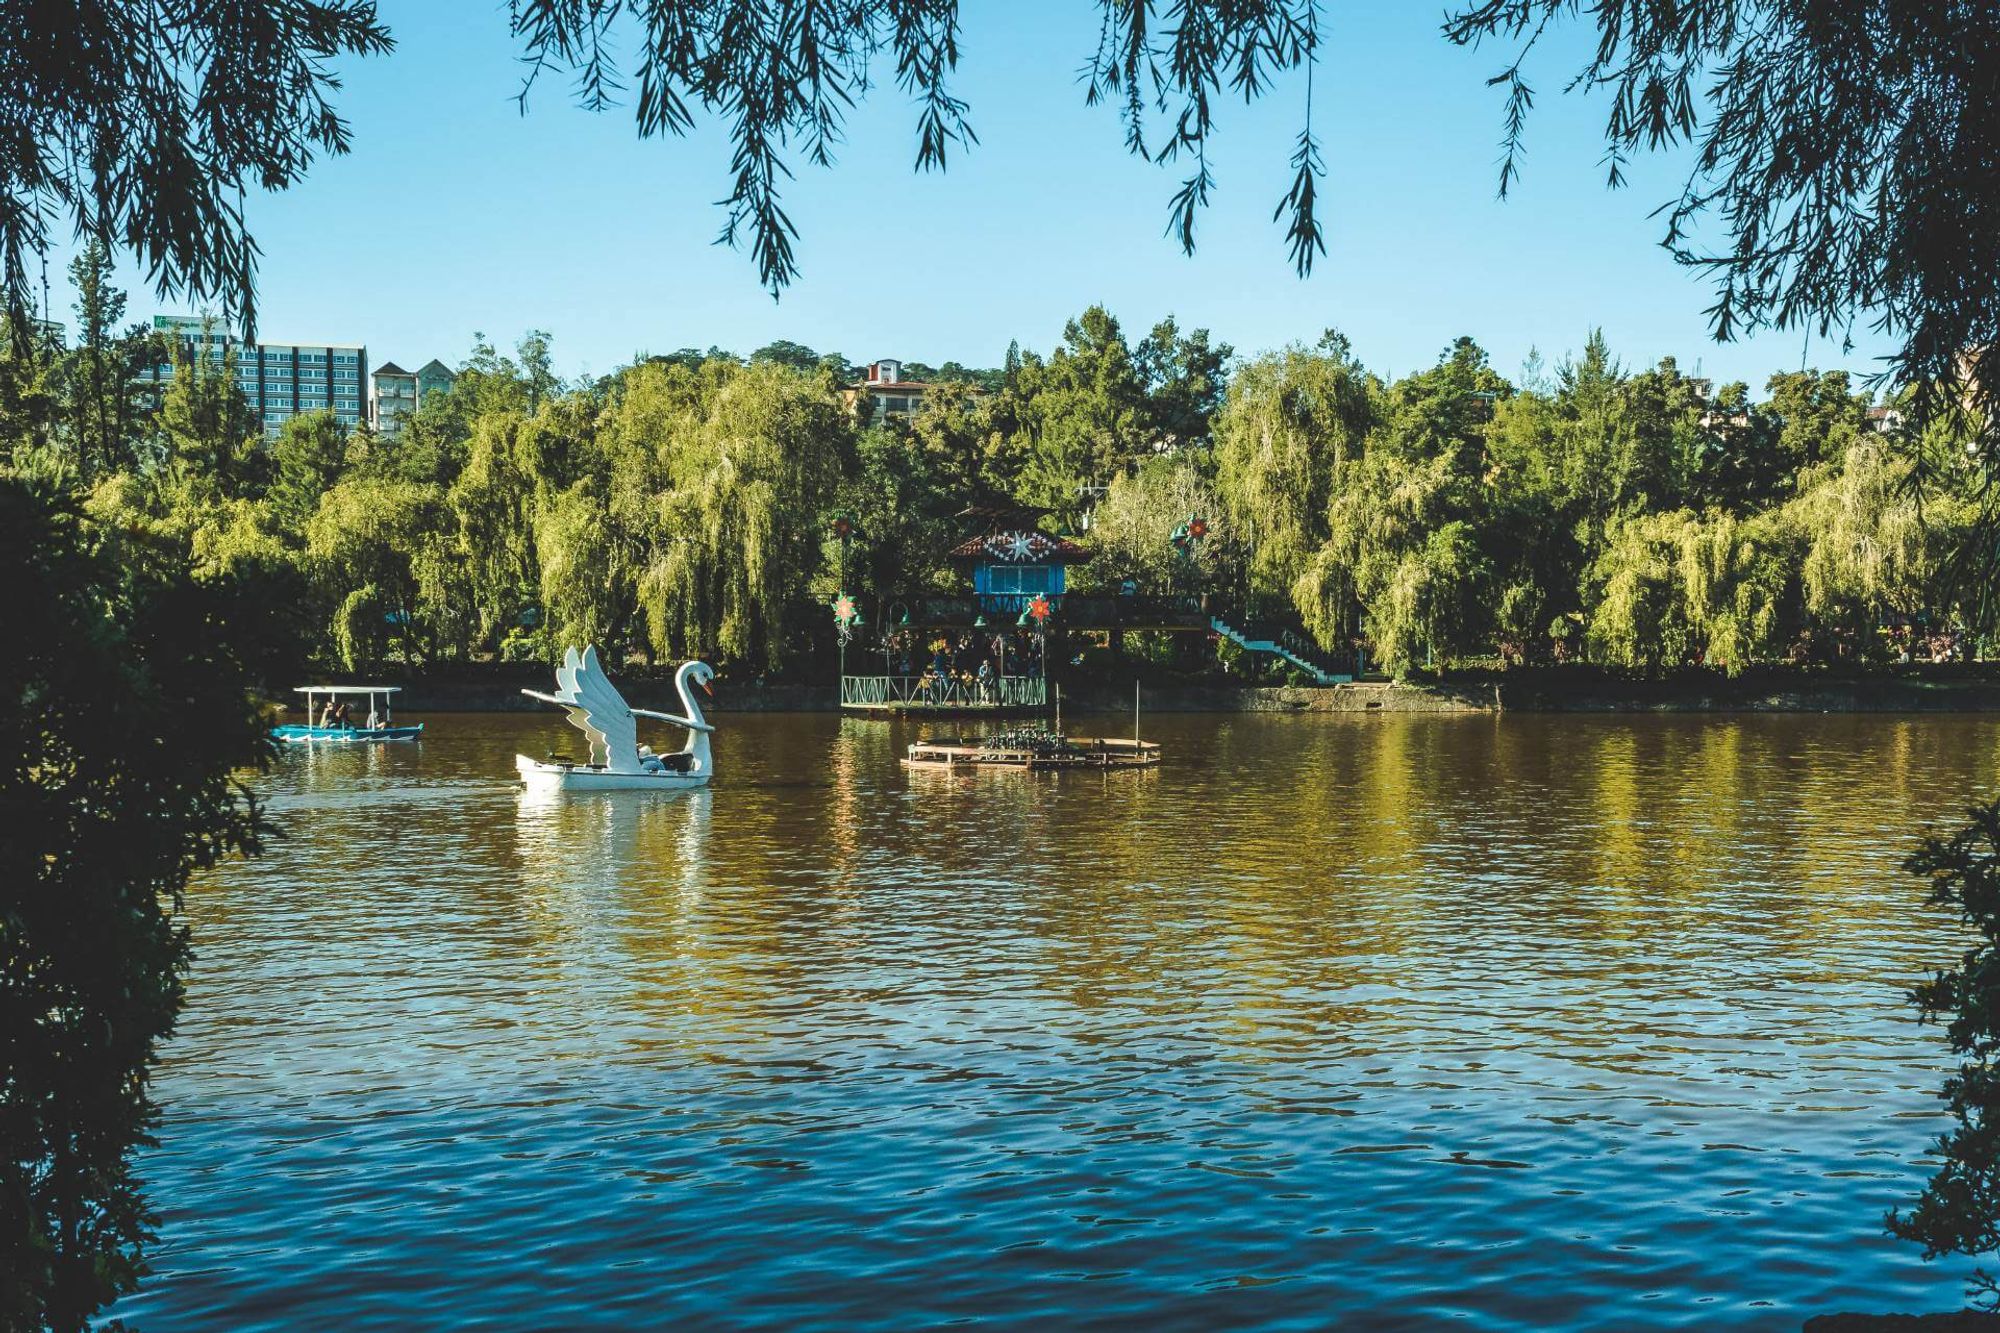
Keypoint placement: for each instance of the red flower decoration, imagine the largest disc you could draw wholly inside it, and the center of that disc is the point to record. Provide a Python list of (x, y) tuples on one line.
[(1198, 528), (1039, 609)]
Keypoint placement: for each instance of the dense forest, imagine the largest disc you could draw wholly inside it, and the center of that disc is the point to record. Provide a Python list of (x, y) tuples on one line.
[(688, 503)]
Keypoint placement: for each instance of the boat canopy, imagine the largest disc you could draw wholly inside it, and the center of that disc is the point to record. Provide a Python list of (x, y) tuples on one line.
[(346, 689)]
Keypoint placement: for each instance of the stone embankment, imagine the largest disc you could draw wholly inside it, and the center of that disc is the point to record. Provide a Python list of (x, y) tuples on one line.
[(497, 688)]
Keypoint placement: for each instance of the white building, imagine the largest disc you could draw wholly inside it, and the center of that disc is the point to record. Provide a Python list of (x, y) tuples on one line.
[(280, 379)]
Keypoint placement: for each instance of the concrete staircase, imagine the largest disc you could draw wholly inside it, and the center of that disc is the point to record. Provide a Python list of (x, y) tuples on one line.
[(1285, 644)]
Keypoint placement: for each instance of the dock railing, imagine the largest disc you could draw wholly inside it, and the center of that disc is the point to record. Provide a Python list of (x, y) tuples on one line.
[(931, 692)]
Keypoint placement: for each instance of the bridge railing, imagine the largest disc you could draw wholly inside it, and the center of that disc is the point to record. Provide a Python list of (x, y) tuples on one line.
[(932, 692)]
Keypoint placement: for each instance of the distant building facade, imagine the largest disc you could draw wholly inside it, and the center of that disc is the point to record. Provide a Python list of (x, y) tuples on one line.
[(395, 397), (1885, 420), (281, 380), (434, 377), (399, 392), (885, 391)]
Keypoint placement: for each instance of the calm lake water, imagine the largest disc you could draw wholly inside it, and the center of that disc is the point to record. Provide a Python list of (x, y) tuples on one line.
[(1382, 1022)]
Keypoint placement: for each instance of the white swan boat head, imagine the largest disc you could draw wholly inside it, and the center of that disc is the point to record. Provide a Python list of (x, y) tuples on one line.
[(617, 761)]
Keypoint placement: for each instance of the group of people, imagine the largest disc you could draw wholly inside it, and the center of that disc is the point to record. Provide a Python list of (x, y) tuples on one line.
[(337, 713), (969, 665)]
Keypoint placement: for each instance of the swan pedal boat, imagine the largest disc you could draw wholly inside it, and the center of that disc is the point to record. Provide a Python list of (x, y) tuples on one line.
[(617, 761)]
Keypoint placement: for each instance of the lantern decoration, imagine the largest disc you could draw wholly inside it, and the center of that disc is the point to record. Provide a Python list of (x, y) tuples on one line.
[(846, 615), (1039, 610), (1190, 535)]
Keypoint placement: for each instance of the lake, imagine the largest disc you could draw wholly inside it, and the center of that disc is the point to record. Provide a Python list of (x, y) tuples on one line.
[(1527, 1022)]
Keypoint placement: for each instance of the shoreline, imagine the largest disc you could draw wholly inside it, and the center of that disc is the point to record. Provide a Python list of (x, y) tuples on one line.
[(497, 690)]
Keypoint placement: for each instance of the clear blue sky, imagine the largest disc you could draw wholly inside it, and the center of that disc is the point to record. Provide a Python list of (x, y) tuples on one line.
[(455, 214)]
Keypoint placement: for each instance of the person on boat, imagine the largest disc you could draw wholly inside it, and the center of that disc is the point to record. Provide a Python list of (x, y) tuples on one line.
[(343, 716), (326, 714), (374, 717)]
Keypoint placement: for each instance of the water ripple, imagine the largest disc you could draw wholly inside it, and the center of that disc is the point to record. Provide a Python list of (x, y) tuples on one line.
[(1386, 1022)]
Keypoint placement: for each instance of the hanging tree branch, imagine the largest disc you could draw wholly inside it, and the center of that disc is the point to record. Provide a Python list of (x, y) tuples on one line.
[(782, 75), (1844, 159), (140, 124)]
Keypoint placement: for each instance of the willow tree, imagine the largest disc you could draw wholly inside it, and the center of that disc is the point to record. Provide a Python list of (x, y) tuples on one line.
[(783, 76), (737, 533), (1291, 419), (1873, 546), (383, 552), (493, 503), (1673, 587), (587, 575), (1403, 545), (1638, 608), (1739, 577), (1827, 148)]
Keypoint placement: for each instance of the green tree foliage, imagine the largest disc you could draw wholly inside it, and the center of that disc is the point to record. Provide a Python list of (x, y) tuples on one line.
[(901, 509), (124, 709), (1831, 146), (1631, 518), (1083, 415), (1959, 1210), (784, 352), (967, 447), (30, 390), (586, 574), (1871, 548), (496, 500), (205, 429), (385, 549), (1403, 545), (1290, 420), (101, 401), (142, 125), (1132, 532), (307, 460), (1184, 378), (750, 466), (1831, 143), (1639, 616)]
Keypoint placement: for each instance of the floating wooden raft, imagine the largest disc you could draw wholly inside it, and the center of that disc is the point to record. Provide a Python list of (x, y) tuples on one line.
[(1034, 752)]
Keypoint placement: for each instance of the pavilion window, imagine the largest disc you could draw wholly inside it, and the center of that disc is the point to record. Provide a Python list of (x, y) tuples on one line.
[(1023, 579)]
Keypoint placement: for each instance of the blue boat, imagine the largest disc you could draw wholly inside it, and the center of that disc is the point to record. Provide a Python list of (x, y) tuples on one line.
[(333, 722)]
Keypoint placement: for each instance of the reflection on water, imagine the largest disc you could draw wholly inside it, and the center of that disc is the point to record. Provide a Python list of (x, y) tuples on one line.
[(1539, 1023)]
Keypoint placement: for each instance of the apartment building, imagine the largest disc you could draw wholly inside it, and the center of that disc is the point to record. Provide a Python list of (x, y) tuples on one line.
[(398, 392), (280, 379)]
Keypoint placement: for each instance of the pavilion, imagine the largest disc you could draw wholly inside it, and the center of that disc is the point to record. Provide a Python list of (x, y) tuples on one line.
[(1018, 606)]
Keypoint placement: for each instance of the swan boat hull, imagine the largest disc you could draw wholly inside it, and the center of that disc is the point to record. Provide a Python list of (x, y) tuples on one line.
[(542, 776)]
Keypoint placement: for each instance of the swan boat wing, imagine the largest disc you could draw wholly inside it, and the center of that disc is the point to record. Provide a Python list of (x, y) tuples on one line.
[(597, 709)]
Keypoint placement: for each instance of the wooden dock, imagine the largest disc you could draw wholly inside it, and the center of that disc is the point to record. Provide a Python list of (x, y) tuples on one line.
[(1034, 752)]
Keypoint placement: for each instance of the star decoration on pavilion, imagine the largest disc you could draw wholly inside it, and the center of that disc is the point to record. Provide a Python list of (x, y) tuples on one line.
[(1019, 546)]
